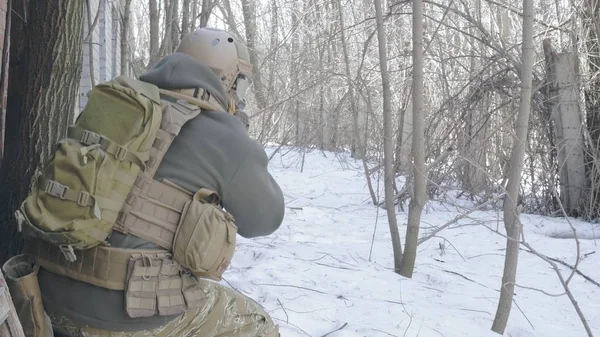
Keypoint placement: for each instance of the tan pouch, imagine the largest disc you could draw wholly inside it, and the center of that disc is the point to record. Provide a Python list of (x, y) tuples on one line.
[(142, 285), (205, 238), (158, 285), (21, 277)]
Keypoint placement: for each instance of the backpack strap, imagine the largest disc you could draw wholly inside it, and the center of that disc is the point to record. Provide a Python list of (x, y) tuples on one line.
[(153, 208), (120, 152)]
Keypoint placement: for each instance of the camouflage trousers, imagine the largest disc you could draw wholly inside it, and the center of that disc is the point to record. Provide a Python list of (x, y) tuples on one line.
[(226, 313)]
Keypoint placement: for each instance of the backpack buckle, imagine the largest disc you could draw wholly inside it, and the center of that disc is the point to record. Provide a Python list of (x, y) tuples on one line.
[(90, 138), (56, 189), (83, 198), (121, 153), (68, 252)]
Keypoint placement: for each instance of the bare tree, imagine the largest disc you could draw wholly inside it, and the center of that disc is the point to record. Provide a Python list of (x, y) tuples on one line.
[(388, 140), (511, 207), (418, 147)]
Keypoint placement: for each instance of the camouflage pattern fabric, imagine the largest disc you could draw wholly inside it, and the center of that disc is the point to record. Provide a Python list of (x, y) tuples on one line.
[(225, 313)]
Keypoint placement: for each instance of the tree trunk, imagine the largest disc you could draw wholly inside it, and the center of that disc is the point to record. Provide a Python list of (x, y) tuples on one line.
[(154, 23), (125, 38), (388, 145), (356, 146), (249, 12), (175, 30), (592, 100), (207, 6), (405, 130), (39, 107), (194, 14), (4, 78), (90, 42), (511, 208), (185, 19), (418, 200), (563, 102)]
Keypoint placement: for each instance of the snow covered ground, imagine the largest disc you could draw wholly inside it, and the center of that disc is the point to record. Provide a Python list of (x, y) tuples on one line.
[(317, 273)]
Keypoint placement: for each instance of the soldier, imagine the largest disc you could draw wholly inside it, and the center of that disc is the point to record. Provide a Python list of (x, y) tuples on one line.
[(213, 156)]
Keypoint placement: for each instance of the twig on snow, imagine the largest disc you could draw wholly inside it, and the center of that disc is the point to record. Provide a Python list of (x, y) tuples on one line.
[(523, 313), (540, 290), (463, 276), (446, 240), (587, 278), (565, 286), (288, 285), (387, 333), (337, 267), (336, 330), (287, 318)]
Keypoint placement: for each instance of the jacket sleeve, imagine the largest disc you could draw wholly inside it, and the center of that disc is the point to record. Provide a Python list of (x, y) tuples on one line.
[(253, 196)]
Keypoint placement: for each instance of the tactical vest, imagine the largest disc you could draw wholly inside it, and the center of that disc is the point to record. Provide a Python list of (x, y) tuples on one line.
[(196, 235)]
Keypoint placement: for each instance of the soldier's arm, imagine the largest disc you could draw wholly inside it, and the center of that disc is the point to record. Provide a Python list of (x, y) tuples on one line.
[(253, 196)]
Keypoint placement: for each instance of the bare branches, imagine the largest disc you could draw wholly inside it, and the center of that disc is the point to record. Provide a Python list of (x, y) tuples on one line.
[(460, 217)]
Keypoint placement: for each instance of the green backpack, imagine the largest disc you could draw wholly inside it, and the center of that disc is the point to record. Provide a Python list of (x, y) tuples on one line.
[(77, 198)]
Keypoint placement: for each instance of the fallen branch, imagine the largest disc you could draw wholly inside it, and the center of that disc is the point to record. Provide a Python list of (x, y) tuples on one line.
[(288, 285), (587, 278), (565, 287), (287, 318), (336, 330)]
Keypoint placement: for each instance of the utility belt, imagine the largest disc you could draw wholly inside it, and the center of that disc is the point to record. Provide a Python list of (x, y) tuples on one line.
[(153, 282)]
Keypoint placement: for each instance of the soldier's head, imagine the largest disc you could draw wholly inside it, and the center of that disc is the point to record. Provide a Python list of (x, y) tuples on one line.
[(226, 55)]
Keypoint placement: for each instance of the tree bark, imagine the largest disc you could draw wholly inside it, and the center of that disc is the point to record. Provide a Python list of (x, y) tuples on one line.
[(511, 208), (592, 100), (249, 12), (125, 38), (4, 78), (175, 30), (207, 6), (388, 145), (90, 40), (39, 107), (154, 23), (194, 14), (357, 151), (185, 19), (418, 200)]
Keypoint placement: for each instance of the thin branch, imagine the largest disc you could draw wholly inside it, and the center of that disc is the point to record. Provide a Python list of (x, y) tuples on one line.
[(336, 330), (459, 217)]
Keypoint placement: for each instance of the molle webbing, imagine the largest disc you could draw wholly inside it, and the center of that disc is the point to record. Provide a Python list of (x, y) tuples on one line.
[(102, 266), (153, 208)]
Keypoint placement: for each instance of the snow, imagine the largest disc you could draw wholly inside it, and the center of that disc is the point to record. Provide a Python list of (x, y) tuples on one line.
[(317, 274)]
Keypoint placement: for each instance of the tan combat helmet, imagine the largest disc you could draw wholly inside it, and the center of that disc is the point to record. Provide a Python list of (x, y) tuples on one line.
[(225, 54)]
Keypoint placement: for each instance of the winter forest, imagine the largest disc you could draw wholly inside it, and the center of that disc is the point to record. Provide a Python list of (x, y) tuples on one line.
[(440, 160)]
